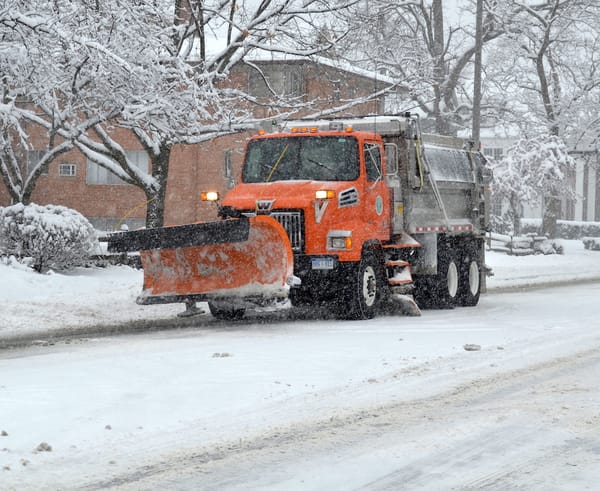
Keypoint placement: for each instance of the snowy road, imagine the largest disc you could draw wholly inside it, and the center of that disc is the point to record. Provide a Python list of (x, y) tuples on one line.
[(392, 403), (535, 428)]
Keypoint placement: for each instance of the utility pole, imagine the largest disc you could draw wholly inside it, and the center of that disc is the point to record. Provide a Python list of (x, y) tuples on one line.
[(476, 133), (477, 75)]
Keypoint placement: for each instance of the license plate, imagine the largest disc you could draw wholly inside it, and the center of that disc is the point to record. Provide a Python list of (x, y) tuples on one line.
[(322, 263)]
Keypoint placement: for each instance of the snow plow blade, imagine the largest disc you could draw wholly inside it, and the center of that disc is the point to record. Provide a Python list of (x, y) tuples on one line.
[(180, 236), (237, 259)]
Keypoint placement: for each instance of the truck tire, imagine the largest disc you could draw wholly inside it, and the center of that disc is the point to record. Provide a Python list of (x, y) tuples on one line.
[(442, 290), (362, 296), (424, 292), (300, 298), (225, 312), (447, 280), (470, 279)]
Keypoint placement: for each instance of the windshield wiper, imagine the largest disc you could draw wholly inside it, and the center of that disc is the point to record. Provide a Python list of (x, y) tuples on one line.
[(277, 162), (321, 164)]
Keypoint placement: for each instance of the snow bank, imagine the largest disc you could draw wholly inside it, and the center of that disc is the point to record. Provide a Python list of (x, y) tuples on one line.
[(576, 264), (31, 302)]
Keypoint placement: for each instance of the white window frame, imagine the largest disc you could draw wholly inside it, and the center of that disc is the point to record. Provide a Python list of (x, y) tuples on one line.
[(228, 164), (284, 80), (99, 176), (495, 153), (63, 172)]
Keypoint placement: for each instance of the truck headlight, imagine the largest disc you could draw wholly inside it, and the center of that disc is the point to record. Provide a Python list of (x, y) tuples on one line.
[(339, 240), (324, 194), (209, 196)]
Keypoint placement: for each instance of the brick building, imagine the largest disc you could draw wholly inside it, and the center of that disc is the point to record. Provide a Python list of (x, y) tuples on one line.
[(107, 202)]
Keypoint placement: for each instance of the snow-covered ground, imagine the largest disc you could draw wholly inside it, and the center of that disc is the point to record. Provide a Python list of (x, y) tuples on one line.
[(299, 403), (32, 304)]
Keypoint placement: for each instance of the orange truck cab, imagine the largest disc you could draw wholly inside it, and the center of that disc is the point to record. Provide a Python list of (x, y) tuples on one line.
[(329, 192)]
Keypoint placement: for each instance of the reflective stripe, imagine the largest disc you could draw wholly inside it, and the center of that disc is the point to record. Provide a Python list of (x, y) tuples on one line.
[(442, 228)]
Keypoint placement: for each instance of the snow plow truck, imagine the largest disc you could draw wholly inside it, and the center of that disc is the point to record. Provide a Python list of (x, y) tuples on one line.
[(347, 214)]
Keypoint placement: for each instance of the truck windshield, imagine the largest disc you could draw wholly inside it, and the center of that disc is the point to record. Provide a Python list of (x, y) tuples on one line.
[(314, 158)]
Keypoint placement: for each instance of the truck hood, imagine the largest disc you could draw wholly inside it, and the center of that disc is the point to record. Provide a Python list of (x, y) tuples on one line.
[(286, 194)]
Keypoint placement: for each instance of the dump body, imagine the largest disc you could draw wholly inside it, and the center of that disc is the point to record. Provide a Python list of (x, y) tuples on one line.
[(458, 177)]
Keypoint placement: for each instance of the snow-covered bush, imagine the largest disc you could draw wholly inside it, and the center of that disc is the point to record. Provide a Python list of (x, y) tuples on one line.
[(49, 237), (566, 229), (577, 230), (591, 243)]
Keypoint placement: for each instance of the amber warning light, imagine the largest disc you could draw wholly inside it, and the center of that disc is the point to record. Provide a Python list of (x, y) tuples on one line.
[(325, 194)]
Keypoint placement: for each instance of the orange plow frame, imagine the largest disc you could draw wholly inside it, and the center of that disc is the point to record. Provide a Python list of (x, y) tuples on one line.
[(258, 267)]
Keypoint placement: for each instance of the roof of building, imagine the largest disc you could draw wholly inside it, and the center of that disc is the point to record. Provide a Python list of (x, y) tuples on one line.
[(342, 65)]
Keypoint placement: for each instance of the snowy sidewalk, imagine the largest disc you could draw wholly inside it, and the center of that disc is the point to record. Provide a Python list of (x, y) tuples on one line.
[(95, 300), (577, 264)]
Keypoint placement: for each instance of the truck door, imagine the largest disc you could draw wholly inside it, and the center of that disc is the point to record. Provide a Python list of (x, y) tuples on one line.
[(376, 202)]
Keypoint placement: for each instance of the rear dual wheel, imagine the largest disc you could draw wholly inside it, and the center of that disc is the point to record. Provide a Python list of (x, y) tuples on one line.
[(470, 278), (448, 281), (439, 291), (458, 282)]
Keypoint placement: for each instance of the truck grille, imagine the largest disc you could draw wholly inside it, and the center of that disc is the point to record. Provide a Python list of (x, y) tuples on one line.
[(293, 223)]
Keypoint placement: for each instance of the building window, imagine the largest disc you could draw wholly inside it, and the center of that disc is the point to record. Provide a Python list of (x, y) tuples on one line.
[(336, 90), (227, 164), (228, 168), (67, 170), (495, 153), (496, 206), (282, 80), (99, 175), (33, 159)]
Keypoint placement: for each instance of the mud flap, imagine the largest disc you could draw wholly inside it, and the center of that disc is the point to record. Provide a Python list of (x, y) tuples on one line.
[(257, 267), (406, 304)]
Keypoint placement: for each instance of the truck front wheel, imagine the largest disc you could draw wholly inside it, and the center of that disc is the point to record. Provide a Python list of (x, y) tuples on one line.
[(362, 294)]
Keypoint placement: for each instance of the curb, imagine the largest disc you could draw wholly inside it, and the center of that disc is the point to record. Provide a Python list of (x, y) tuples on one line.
[(45, 338)]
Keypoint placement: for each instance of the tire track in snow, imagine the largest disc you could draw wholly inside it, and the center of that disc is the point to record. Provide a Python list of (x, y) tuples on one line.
[(505, 418)]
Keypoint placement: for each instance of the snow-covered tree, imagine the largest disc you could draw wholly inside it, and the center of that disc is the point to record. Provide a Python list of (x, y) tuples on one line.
[(157, 69), (545, 72), (546, 66), (414, 41), (86, 67), (27, 73), (533, 171)]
